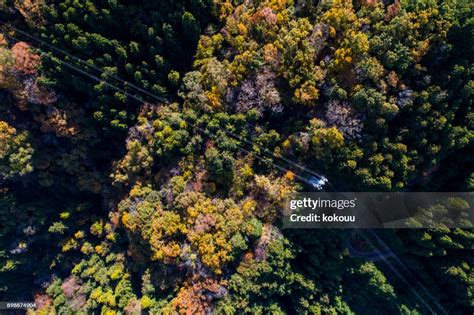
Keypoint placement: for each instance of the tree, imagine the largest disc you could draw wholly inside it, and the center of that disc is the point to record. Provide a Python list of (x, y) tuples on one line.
[(15, 153)]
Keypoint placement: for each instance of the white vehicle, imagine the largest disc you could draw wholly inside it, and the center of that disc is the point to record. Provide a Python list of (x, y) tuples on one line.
[(317, 182), (20, 248)]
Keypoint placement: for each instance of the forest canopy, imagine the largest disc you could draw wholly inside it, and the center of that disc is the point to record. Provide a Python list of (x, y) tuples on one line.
[(147, 149)]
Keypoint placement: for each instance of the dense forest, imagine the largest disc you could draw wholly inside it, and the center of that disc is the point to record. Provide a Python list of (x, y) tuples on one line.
[(147, 149)]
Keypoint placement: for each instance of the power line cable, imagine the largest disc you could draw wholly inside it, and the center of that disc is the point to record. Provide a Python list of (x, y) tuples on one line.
[(101, 80), (154, 96), (297, 165)]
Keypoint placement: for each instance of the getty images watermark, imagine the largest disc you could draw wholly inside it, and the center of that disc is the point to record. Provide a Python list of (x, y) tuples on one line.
[(314, 205), (379, 210)]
